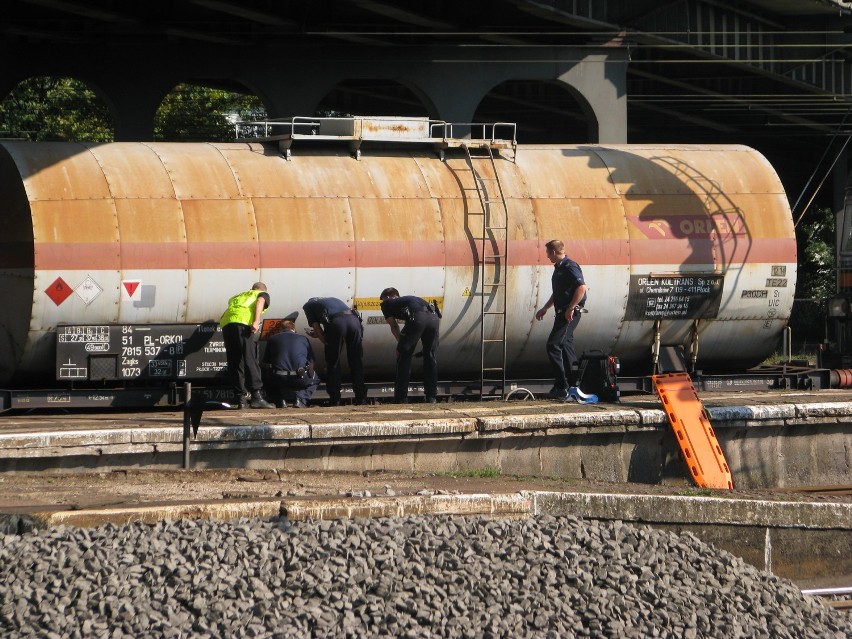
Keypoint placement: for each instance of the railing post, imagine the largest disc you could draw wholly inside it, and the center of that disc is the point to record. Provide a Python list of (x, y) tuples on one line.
[(187, 424)]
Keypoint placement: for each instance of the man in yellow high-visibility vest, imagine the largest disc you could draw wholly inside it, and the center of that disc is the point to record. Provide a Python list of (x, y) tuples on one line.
[(241, 333)]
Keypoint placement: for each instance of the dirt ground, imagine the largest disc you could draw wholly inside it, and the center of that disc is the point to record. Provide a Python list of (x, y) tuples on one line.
[(28, 491)]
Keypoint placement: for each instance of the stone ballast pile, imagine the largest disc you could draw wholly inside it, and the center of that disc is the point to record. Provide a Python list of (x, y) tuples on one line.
[(421, 576)]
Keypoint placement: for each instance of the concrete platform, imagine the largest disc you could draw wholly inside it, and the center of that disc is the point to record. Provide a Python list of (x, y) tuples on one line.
[(770, 439)]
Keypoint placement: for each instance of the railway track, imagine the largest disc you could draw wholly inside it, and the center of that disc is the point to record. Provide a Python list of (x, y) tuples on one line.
[(835, 491), (838, 598)]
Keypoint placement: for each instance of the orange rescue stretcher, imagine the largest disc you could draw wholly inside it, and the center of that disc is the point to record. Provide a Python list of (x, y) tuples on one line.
[(693, 431)]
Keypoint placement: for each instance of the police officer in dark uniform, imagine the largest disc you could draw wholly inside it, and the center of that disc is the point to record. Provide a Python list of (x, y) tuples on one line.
[(569, 296), (422, 322), (335, 324), (290, 360)]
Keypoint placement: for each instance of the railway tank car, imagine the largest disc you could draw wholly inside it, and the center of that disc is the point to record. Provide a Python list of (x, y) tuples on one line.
[(677, 241)]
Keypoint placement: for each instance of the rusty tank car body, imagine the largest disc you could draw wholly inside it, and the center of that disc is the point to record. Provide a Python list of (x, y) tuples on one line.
[(677, 243)]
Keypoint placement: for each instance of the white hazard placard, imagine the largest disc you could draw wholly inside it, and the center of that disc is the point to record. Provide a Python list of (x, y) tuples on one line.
[(131, 290), (88, 290)]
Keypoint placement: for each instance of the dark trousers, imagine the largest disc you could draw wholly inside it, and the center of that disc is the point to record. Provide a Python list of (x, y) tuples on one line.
[(241, 348), (291, 387), (423, 327), (344, 329), (560, 350)]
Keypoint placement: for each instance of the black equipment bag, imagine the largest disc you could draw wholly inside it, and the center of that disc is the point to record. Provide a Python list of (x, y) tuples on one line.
[(597, 374)]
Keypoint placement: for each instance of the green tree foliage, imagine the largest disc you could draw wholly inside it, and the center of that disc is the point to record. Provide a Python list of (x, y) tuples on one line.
[(64, 109), (57, 109), (816, 275), (194, 113), (818, 261)]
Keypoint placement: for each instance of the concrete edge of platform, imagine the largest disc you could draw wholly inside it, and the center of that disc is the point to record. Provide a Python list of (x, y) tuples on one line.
[(634, 508), (142, 439), (696, 510)]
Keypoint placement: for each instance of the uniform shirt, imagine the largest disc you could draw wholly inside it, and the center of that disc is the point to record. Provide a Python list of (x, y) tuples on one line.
[(321, 309), (402, 308), (566, 277), (288, 351)]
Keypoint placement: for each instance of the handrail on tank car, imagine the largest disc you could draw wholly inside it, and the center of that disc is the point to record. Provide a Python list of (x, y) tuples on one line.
[(300, 125), (451, 128), (438, 130)]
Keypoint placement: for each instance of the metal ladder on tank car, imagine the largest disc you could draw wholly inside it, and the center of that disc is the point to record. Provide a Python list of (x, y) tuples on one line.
[(493, 250)]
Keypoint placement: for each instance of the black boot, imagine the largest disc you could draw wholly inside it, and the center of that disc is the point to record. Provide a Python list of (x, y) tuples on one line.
[(257, 401)]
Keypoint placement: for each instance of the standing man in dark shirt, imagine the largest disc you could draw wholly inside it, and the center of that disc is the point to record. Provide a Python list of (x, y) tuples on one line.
[(421, 324), (291, 362), (569, 295), (335, 324), (241, 333)]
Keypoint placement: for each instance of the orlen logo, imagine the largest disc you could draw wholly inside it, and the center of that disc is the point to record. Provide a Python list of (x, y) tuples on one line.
[(719, 226), (97, 347)]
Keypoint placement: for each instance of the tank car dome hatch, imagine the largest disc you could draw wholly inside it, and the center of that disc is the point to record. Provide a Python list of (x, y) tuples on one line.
[(670, 238)]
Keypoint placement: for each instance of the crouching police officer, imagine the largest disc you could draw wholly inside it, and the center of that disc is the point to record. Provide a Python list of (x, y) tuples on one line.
[(290, 360), (335, 324), (422, 322)]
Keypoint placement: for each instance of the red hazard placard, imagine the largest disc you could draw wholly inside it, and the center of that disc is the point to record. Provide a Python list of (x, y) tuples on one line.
[(130, 287), (58, 291)]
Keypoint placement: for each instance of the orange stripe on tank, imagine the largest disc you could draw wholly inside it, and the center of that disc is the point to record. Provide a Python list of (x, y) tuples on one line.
[(373, 254)]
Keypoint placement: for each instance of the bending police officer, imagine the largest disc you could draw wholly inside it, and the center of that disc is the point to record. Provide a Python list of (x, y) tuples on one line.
[(241, 333), (422, 324), (335, 324)]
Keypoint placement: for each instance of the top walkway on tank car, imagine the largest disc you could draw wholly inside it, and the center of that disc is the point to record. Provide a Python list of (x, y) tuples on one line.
[(356, 131)]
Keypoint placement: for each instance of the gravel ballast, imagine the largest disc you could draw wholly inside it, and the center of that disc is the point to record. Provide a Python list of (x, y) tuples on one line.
[(408, 577)]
